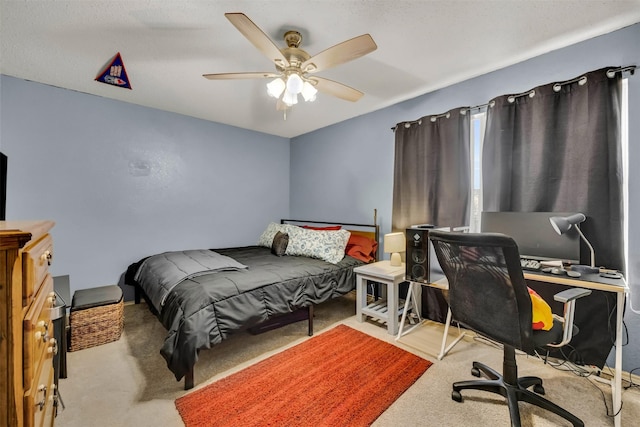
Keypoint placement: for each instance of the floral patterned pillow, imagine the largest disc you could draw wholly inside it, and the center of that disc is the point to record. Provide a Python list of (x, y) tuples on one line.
[(266, 239), (325, 245)]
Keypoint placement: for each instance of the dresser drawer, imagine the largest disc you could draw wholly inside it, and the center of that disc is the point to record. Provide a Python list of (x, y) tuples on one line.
[(36, 259), (38, 400), (38, 331)]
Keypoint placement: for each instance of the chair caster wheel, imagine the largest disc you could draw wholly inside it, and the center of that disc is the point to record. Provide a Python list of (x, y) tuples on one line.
[(475, 372), (538, 388), (455, 395)]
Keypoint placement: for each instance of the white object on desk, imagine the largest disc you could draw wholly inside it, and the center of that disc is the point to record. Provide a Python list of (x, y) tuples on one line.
[(387, 309)]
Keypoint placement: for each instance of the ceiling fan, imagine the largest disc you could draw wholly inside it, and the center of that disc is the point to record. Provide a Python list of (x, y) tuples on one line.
[(295, 68)]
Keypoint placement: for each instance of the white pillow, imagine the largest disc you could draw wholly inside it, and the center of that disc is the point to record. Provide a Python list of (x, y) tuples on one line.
[(327, 245), (266, 239)]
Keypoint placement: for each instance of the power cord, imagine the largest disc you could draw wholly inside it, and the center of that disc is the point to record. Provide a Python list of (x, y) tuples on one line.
[(566, 366)]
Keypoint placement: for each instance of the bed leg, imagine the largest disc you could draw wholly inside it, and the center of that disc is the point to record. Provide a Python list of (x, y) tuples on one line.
[(310, 310), (188, 379)]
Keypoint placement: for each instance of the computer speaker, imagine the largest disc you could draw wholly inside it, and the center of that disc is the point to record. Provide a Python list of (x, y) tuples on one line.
[(417, 254)]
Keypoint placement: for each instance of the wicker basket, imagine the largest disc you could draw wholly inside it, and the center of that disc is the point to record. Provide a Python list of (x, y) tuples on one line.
[(96, 325)]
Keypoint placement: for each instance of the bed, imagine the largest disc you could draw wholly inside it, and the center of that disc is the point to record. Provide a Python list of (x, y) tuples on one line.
[(202, 296)]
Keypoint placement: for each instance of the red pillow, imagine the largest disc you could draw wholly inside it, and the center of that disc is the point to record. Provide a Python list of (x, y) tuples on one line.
[(362, 248), (330, 228)]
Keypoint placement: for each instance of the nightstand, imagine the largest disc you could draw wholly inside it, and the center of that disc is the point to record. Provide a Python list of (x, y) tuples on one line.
[(386, 309)]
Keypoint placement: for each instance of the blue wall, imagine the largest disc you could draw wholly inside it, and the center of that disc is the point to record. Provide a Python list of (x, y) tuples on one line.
[(123, 181), (363, 147)]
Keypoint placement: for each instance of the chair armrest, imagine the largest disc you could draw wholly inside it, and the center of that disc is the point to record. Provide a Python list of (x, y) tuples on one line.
[(571, 294), (568, 297)]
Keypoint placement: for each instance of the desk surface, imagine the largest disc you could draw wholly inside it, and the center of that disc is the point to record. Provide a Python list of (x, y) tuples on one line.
[(588, 281)]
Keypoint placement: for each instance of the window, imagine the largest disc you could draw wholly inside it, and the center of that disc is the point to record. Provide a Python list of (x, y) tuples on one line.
[(478, 121)]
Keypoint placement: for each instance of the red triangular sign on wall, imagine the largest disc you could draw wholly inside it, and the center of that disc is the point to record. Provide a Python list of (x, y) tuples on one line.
[(114, 73)]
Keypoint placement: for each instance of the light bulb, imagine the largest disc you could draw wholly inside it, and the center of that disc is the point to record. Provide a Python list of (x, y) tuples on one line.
[(294, 84), (309, 92), (289, 98), (275, 88)]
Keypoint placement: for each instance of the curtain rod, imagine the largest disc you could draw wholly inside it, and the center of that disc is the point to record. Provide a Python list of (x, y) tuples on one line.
[(630, 68), (556, 87)]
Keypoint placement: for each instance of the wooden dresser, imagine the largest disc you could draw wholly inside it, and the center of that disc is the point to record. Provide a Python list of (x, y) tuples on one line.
[(27, 345)]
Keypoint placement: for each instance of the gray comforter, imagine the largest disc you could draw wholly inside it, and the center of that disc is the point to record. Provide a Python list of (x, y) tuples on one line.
[(159, 274), (204, 309)]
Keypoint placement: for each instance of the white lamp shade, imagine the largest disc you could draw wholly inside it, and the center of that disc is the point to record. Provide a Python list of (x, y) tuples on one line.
[(275, 87), (289, 98), (394, 243), (309, 92), (294, 84)]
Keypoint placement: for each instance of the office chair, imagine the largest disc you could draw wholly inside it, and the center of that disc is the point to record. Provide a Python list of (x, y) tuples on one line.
[(488, 294)]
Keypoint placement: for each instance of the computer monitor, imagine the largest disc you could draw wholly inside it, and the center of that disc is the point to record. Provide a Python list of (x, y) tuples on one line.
[(534, 234)]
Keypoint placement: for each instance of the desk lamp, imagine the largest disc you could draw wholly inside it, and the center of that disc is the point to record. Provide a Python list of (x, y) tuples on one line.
[(562, 224), (394, 243)]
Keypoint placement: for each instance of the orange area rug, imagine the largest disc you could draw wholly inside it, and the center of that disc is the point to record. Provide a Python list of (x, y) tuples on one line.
[(341, 377)]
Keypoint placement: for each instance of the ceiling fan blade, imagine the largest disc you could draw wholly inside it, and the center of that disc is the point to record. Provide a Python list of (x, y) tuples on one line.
[(340, 53), (231, 76), (258, 38), (336, 89)]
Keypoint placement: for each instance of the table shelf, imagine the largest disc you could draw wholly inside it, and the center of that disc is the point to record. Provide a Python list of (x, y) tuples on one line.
[(380, 309)]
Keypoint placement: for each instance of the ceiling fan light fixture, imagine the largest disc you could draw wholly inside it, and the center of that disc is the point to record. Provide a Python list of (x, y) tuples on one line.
[(293, 64), (294, 83), (309, 92), (275, 87)]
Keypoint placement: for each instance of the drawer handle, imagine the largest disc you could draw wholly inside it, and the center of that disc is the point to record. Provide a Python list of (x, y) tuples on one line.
[(42, 388), (53, 346), (46, 257), (52, 298), (45, 326)]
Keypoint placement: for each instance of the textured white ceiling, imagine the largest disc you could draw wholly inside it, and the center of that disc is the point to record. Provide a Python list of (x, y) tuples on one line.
[(167, 45)]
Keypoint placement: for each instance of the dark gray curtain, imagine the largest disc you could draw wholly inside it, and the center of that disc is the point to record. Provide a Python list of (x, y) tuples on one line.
[(559, 150), (432, 182)]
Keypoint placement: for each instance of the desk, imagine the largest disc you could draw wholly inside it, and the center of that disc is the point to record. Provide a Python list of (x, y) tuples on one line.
[(587, 281)]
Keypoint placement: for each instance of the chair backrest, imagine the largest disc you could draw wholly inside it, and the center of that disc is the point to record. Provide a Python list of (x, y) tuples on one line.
[(487, 290)]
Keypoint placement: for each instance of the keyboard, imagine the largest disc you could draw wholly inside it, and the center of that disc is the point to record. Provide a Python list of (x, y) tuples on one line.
[(530, 264)]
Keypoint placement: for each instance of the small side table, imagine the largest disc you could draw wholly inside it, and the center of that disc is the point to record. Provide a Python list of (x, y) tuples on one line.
[(387, 309)]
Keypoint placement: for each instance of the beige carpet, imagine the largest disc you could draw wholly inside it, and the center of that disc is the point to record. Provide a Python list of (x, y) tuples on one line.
[(126, 383)]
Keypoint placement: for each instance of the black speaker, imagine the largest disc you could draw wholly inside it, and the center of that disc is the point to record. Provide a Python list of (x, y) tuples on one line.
[(417, 255)]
